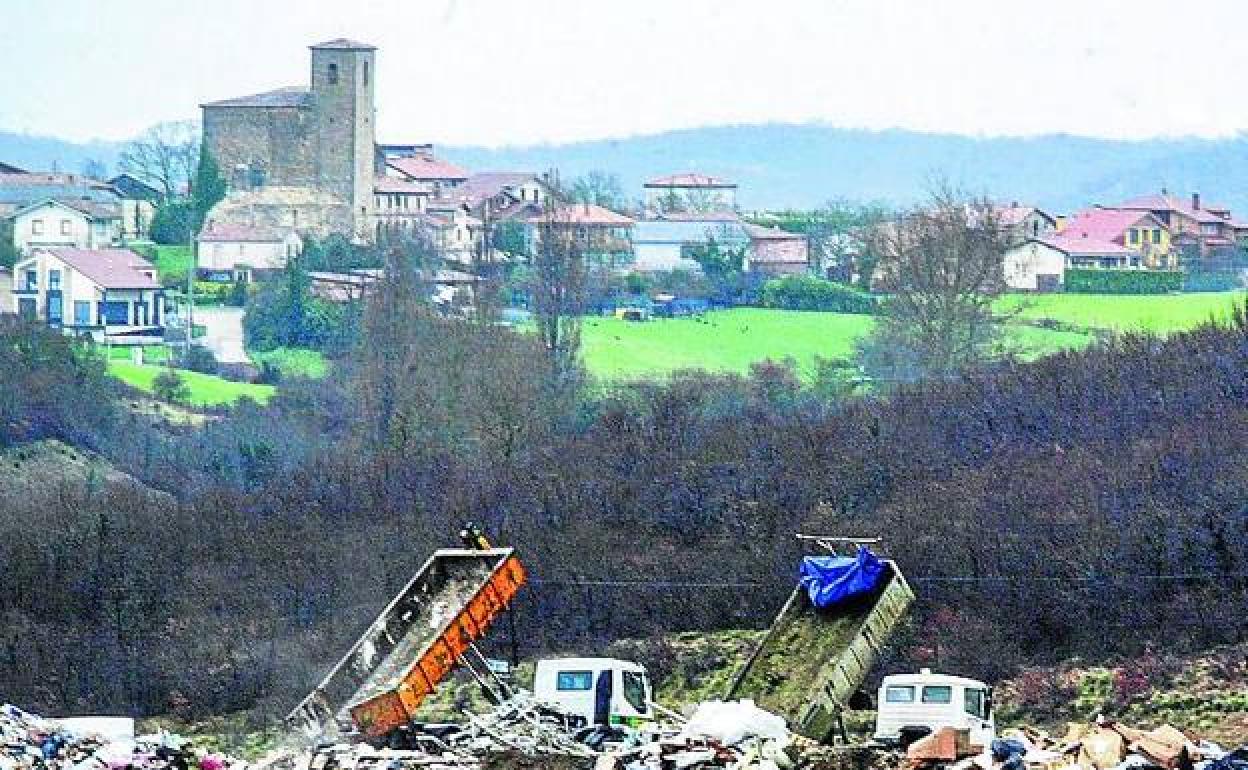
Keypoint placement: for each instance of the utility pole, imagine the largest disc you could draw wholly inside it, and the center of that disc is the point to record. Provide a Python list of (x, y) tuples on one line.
[(190, 284)]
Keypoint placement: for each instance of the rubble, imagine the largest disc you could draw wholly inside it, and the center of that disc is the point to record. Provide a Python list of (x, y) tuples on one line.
[(31, 742)]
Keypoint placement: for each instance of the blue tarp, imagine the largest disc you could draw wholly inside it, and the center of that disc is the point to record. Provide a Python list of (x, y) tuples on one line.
[(829, 580)]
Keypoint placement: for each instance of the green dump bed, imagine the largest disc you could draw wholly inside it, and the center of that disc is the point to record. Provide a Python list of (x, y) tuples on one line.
[(811, 661)]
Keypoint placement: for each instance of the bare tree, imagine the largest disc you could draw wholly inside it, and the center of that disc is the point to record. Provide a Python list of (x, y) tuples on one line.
[(941, 264), (599, 188), (94, 168), (165, 156), (558, 290)]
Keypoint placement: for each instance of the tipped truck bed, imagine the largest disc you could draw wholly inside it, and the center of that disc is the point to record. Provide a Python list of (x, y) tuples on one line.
[(413, 643), (811, 661)]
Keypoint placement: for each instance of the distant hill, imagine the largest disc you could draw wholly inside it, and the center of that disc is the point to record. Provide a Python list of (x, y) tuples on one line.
[(781, 165), (46, 153)]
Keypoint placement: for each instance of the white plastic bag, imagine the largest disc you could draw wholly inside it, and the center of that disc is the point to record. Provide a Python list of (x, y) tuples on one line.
[(731, 722)]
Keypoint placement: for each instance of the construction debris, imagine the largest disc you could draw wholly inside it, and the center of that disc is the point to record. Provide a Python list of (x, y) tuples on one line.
[(31, 742)]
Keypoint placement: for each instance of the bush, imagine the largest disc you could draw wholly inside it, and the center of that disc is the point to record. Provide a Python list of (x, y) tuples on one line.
[(172, 223), (199, 359), (1092, 281), (807, 292), (1218, 280), (169, 386)]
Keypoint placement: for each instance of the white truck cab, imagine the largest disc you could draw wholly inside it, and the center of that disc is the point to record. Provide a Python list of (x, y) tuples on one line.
[(601, 691), (913, 705)]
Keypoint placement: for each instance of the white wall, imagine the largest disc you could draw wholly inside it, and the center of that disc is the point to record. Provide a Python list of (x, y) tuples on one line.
[(1024, 263), (660, 256), (229, 255)]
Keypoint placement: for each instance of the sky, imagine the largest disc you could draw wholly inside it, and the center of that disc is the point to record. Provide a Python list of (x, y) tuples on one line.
[(521, 72)]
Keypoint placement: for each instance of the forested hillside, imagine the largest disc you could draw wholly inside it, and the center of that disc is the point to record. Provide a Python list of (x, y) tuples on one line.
[(1086, 504)]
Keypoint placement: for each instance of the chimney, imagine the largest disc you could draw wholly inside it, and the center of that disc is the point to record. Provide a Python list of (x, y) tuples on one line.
[(1195, 201)]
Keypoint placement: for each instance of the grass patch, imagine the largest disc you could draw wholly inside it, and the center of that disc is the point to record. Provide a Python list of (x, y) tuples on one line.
[(152, 354), (172, 262), (294, 362), (206, 390), (731, 340), (1113, 312)]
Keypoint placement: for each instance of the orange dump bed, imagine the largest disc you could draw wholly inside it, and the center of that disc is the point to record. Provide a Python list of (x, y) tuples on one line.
[(413, 644)]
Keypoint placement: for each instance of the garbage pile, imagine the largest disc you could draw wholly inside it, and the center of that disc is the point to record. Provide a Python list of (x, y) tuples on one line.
[(31, 742), (522, 732), (1103, 745)]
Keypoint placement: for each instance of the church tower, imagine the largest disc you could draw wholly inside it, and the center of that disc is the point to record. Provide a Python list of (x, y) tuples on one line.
[(342, 92)]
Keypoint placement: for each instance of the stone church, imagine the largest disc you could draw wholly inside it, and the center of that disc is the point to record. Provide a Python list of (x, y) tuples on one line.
[(301, 158)]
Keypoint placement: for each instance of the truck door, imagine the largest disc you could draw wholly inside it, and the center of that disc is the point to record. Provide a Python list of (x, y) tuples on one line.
[(603, 691)]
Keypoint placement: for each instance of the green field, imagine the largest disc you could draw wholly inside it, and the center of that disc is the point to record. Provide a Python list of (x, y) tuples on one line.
[(205, 389), (731, 340), (1156, 313), (294, 362)]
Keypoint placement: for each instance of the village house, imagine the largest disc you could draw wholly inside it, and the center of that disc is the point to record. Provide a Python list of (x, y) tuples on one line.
[(1026, 221), (666, 243), (20, 189), (109, 294), (138, 205), (74, 222), (1101, 238), (776, 252), (690, 191), (6, 290), (226, 252), (603, 235), (1197, 228), (420, 165)]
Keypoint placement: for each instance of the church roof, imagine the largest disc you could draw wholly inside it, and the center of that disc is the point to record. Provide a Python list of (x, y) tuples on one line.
[(291, 96), (345, 44)]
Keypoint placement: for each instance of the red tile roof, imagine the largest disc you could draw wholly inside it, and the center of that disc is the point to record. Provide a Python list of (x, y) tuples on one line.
[(1166, 202), (584, 214), (423, 166), (759, 233), (110, 268), (391, 184), (690, 179), (1100, 231)]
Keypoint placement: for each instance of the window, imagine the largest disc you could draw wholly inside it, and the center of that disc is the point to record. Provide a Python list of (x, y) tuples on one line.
[(333, 74), (82, 313), (27, 309), (635, 690), (897, 694), (55, 308), (36, 227), (116, 313), (365, 73), (1156, 235), (938, 694), (32, 280), (54, 279), (1135, 235), (67, 227), (975, 702), (574, 680)]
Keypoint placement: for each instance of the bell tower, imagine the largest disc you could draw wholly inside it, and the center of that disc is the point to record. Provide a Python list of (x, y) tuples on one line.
[(343, 75)]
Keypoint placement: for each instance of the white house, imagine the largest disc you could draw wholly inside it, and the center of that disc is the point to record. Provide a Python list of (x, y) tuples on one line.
[(107, 293), (1035, 265), (51, 222), (138, 205), (230, 252), (666, 243)]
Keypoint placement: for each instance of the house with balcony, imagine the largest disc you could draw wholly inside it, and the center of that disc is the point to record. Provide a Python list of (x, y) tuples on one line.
[(417, 163), (109, 294), (667, 242)]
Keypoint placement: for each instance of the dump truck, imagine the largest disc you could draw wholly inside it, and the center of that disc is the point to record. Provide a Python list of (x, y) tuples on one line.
[(429, 627), (812, 661)]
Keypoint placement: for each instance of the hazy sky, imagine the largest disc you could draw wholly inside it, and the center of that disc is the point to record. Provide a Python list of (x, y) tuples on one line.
[(528, 71)]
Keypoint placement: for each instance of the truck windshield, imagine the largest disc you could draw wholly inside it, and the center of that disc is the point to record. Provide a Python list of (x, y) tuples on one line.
[(938, 694), (635, 690), (896, 694), (976, 703), (574, 680)]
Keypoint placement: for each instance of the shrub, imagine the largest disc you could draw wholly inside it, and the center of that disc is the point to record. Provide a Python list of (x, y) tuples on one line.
[(1092, 281), (169, 386), (807, 292), (199, 359)]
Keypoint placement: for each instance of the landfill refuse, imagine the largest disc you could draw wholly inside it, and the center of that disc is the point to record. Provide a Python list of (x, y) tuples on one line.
[(31, 742), (829, 580)]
